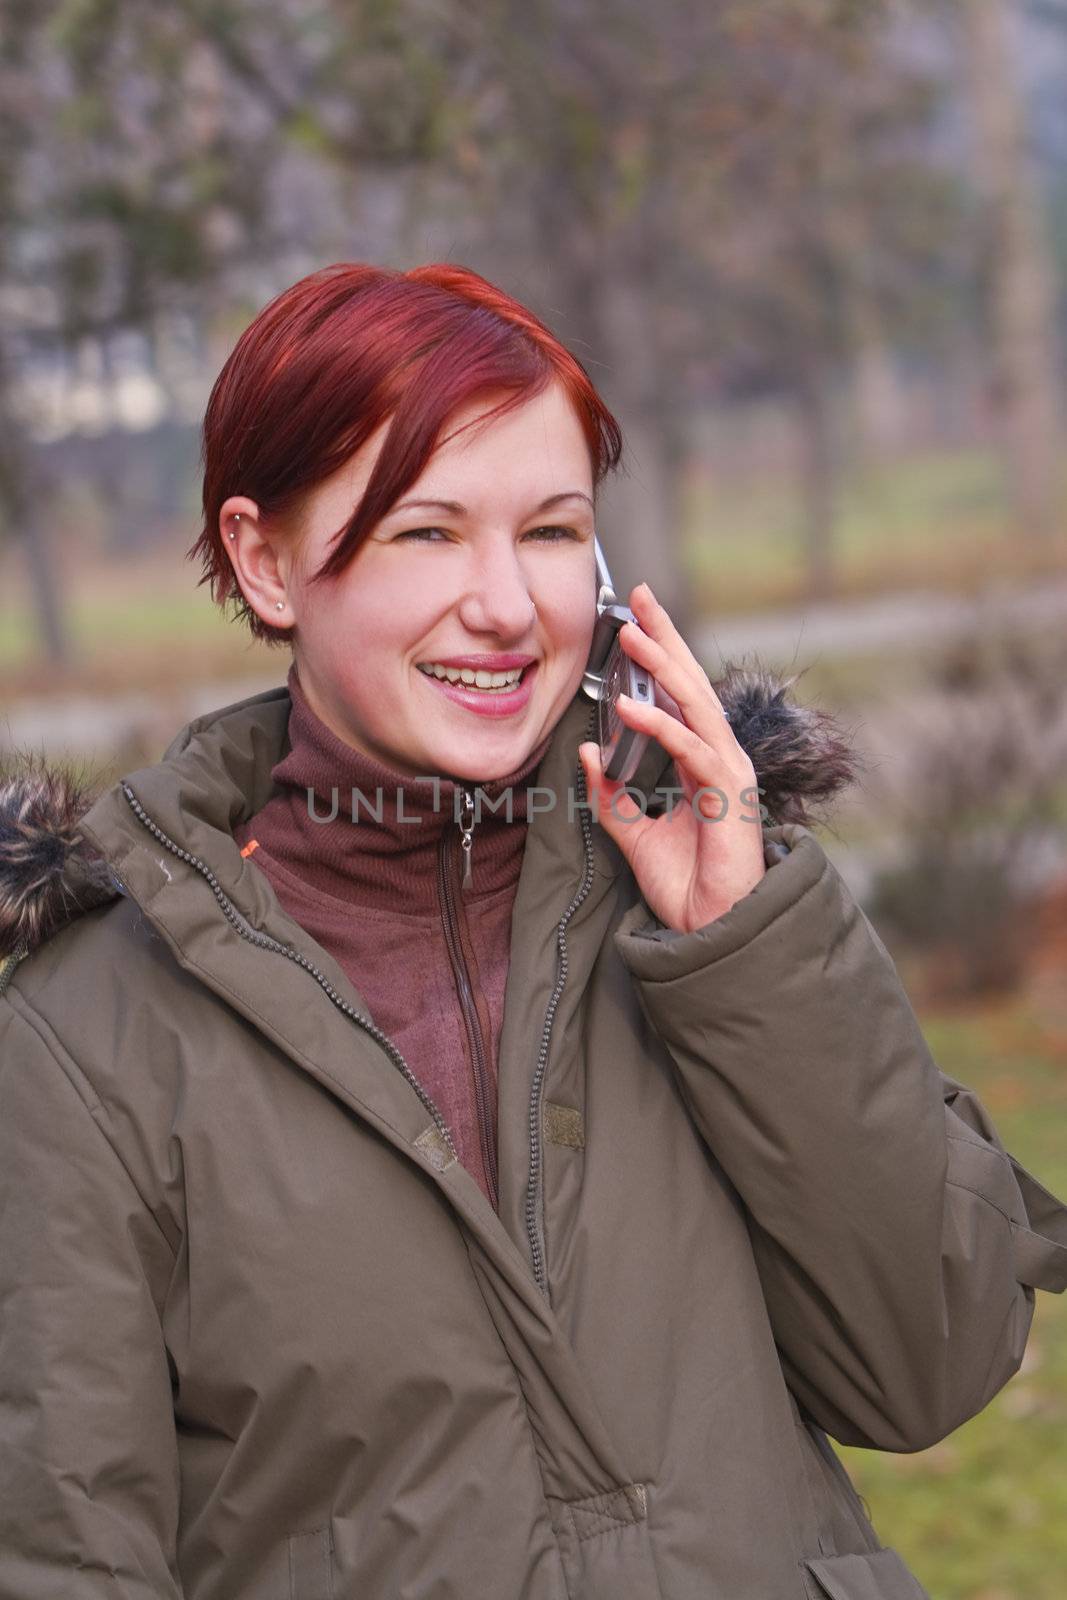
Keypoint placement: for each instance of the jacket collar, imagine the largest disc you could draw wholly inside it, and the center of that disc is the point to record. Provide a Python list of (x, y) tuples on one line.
[(166, 833), (368, 834), (217, 774)]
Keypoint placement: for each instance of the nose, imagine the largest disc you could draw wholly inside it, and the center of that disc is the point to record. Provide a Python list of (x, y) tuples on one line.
[(497, 599)]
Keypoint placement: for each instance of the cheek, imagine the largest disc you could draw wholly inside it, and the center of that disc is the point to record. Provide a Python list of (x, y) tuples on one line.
[(570, 622), (374, 638), (360, 648)]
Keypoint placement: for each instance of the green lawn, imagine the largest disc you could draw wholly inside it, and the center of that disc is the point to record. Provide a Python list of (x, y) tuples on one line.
[(983, 1514), (936, 520), (96, 619), (142, 632)]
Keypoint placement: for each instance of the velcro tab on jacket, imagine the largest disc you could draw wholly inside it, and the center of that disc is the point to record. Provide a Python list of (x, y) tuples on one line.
[(433, 1143), (564, 1125)]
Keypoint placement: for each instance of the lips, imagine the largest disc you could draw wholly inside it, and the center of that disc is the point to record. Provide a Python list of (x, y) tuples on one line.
[(500, 702), (488, 680)]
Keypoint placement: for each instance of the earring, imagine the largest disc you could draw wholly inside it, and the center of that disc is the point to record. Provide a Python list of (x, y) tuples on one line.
[(279, 605), (236, 518)]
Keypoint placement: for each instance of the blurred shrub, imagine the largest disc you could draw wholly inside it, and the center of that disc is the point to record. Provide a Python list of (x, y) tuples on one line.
[(977, 795)]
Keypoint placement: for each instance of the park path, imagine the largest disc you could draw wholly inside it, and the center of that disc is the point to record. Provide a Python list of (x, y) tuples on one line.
[(852, 627)]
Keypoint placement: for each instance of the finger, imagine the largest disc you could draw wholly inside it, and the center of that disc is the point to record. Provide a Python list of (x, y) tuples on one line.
[(655, 620), (700, 707), (695, 760), (667, 702), (617, 812)]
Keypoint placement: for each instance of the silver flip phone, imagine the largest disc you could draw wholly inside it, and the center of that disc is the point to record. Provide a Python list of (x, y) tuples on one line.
[(611, 672)]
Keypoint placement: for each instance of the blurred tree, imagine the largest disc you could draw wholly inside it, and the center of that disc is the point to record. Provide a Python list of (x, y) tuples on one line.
[(123, 194), (1018, 265), (707, 202), (730, 198), (141, 149), (18, 501), (831, 228)]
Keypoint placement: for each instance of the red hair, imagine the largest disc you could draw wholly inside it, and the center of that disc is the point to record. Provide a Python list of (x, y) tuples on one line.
[(331, 358)]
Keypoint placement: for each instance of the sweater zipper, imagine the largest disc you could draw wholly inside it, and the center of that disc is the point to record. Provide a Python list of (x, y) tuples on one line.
[(454, 922), (466, 840), (534, 1198)]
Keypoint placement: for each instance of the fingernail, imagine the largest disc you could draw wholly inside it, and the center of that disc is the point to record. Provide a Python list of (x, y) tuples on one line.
[(648, 591)]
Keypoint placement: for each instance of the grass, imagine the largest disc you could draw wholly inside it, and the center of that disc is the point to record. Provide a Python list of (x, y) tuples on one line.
[(980, 1516), (135, 625), (938, 520)]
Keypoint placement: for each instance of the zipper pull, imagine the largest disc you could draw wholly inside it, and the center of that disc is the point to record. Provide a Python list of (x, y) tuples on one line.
[(466, 839)]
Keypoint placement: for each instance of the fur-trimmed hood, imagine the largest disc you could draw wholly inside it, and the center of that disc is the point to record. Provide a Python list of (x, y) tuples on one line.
[(49, 874)]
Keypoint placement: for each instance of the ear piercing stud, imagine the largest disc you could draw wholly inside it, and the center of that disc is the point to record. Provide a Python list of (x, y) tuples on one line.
[(279, 605)]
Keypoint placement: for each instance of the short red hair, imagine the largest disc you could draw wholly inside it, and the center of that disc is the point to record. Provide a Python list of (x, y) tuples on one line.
[(331, 358)]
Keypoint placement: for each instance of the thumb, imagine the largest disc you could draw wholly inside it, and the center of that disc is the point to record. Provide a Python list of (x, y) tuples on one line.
[(616, 811)]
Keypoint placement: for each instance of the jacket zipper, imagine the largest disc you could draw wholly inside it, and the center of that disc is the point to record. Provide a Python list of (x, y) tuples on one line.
[(534, 1200), (451, 914), (265, 942), (534, 1195)]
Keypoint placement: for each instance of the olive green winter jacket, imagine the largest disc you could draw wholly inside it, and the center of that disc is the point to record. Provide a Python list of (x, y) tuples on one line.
[(262, 1337)]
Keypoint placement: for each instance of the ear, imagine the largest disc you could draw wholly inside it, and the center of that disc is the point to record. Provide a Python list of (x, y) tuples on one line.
[(262, 560)]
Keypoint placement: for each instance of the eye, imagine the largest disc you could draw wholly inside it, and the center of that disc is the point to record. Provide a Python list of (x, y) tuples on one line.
[(548, 534), (552, 534)]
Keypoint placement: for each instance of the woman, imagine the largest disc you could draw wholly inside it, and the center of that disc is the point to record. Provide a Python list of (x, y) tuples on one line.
[(412, 1184)]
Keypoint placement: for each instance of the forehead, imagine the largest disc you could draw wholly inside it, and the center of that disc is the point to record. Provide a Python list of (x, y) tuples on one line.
[(528, 450), (513, 461)]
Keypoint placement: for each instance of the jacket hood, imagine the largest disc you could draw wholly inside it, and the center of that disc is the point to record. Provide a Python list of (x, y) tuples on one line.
[(50, 873)]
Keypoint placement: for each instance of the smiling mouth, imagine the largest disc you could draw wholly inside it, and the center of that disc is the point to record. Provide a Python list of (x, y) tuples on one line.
[(469, 678)]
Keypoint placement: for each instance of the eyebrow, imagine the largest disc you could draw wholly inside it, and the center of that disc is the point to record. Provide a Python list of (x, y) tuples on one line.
[(454, 508)]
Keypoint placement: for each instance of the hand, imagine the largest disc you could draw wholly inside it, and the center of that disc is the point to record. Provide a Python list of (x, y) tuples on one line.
[(690, 867)]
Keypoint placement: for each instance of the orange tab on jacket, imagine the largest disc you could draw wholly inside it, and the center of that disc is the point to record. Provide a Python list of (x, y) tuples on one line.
[(253, 844)]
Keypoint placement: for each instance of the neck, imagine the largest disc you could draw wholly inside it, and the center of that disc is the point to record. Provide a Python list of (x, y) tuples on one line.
[(357, 829)]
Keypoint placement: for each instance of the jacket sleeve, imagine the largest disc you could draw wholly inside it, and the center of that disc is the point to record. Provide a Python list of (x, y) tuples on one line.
[(898, 1244), (88, 1451)]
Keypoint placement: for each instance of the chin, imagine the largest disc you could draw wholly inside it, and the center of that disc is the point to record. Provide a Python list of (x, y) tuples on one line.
[(468, 768), (483, 761)]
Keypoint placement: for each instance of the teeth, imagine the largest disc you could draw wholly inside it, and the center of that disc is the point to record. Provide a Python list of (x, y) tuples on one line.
[(475, 680)]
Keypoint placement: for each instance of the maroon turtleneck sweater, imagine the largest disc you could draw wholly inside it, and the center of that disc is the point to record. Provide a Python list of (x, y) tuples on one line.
[(384, 895)]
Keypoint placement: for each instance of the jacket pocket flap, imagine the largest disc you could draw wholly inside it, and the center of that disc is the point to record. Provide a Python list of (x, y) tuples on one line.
[(875, 1575), (311, 1565), (1040, 1249)]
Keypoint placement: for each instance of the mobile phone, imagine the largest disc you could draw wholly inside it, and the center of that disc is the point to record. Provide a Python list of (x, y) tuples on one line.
[(611, 672)]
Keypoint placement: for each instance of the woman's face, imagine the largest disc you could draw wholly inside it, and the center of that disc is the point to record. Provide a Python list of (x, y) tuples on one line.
[(497, 575)]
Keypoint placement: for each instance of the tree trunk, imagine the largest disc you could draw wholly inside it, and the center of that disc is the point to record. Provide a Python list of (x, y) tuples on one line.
[(880, 404), (37, 546), (1023, 285), (641, 508), (20, 490), (818, 483)]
